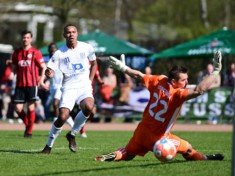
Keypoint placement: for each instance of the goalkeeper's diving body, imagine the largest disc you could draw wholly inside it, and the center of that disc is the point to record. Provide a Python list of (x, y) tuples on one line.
[(167, 94)]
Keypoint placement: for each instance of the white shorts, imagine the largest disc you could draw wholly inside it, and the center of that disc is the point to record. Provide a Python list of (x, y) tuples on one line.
[(58, 94), (71, 96)]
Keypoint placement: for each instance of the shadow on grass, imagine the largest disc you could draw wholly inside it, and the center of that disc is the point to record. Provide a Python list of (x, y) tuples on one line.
[(106, 168), (19, 151), (33, 136)]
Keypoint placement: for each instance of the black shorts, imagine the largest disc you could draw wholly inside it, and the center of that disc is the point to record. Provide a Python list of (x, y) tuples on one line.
[(26, 94)]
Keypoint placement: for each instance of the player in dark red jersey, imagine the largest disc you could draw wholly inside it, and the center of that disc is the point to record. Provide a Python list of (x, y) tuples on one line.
[(29, 66)]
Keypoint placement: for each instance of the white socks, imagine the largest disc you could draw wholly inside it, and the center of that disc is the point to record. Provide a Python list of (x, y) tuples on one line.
[(79, 122), (70, 121), (54, 133), (76, 125)]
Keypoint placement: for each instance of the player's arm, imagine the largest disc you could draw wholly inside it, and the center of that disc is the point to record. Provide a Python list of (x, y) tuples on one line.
[(98, 77), (118, 65), (93, 69), (209, 81), (135, 74), (52, 66), (205, 85), (43, 77)]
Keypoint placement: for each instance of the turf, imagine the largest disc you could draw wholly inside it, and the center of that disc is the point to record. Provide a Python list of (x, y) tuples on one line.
[(19, 156)]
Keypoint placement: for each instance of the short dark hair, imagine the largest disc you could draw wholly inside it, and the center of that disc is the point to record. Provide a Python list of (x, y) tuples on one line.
[(175, 71), (52, 47), (68, 25), (52, 44), (24, 32)]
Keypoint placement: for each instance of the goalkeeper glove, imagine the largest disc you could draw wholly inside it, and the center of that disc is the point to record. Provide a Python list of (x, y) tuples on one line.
[(117, 64), (217, 62)]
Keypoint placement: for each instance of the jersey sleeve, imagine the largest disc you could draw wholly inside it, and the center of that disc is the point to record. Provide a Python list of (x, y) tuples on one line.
[(182, 94), (151, 80), (91, 53), (53, 63), (39, 57), (146, 81)]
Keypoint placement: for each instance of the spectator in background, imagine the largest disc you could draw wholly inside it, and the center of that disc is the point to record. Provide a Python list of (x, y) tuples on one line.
[(229, 81), (29, 66), (5, 89), (109, 84), (229, 78), (212, 119), (107, 92), (148, 70), (126, 85)]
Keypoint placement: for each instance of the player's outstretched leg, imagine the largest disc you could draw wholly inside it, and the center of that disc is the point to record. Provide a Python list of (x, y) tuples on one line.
[(107, 157), (193, 155), (120, 154), (72, 142)]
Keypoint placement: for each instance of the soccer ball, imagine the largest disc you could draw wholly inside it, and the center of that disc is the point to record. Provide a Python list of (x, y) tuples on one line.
[(164, 150)]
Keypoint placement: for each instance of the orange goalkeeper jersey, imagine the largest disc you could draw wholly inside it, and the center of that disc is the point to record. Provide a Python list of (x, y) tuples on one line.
[(164, 105)]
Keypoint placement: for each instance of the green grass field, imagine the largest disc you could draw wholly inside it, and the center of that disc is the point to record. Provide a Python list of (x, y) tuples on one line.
[(19, 156)]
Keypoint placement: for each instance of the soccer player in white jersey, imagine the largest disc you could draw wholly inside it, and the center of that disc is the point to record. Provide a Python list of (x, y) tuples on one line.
[(55, 91), (77, 61)]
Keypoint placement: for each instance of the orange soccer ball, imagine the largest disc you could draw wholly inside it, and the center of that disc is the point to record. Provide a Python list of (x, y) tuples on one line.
[(164, 150)]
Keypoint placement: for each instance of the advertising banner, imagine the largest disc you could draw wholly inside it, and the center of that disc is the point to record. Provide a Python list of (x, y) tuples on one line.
[(215, 103)]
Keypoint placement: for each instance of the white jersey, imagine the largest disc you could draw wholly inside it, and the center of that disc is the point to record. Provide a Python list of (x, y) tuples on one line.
[(74, 64)]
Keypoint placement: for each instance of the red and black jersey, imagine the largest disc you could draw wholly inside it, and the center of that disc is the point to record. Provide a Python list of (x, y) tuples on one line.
[(27, 64)]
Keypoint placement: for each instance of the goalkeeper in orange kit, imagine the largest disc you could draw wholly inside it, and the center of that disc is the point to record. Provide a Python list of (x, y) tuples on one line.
[(167, 94)]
